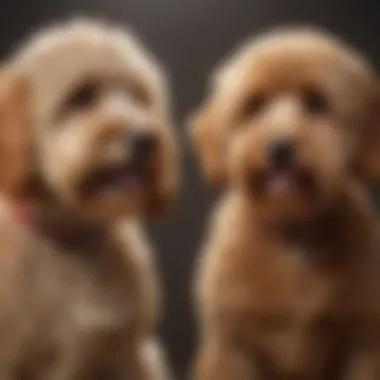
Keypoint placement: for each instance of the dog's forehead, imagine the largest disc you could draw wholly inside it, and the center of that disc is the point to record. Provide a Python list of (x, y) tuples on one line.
[(59, 58), (71, 58), (293, 56)]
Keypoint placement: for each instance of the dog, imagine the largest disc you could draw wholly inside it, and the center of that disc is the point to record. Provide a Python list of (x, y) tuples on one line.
[(88, 153), (288, 284)]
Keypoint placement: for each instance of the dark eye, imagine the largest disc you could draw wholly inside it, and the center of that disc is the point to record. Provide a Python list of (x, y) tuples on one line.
[(254, 105), (83, 97), (315, 102)]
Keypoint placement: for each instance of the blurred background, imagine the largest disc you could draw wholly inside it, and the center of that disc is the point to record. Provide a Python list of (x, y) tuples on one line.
[(190, 37)]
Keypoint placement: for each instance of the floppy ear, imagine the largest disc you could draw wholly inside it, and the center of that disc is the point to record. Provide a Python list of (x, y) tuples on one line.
[(164, 191), (367, 163), (206, 135), (13, 131)]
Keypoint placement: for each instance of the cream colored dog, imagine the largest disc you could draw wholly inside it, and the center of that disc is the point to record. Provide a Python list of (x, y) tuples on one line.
[(87, 139)]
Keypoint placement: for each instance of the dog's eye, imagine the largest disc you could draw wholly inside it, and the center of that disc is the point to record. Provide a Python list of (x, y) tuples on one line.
[(315, 102), (254, 105), (83, 97)]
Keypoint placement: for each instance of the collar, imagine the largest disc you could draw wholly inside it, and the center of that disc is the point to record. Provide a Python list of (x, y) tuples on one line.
[(20, 213), (69, 234)]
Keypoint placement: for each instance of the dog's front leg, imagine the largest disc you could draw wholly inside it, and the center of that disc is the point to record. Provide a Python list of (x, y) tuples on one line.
[(222, 361)]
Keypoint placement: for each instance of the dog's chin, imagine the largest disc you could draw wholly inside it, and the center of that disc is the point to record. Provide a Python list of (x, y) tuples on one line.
[(124, 180), (285, 193), (110, 192)]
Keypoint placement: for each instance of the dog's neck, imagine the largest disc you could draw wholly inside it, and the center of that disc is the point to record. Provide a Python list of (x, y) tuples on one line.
[(342, 222), (324, 228), (61, 227)]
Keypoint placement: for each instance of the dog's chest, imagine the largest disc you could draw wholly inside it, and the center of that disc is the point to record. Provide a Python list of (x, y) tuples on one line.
[(89, 313), (99, 312), (291, 313)]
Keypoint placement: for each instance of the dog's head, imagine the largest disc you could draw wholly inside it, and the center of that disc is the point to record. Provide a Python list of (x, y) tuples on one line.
[(100, 139), (290, 118)]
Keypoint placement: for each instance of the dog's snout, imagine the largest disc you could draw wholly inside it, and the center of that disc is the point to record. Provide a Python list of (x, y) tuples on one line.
[(141, 143), (281, 153)]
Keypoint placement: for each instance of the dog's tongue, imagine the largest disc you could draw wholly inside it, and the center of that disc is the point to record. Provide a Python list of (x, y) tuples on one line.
[(281, 182)]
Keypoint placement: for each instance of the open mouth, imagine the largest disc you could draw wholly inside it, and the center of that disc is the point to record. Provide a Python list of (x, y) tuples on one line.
[(285, 181), (127, 177)]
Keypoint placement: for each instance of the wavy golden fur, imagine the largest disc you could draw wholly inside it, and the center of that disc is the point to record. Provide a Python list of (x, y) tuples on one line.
[(288, 286)]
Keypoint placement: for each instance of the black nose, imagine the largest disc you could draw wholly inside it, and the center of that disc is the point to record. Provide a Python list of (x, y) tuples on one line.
[(281, 153), (141, 143)]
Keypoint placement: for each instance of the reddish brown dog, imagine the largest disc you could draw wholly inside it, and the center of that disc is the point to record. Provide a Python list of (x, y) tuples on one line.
[(289, 286)]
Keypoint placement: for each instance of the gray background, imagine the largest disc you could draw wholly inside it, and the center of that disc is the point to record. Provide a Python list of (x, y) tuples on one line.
[(190, 37)]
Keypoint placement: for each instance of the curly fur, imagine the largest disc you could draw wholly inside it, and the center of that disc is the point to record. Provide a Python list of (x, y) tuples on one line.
[(85, 305), (288, 281)]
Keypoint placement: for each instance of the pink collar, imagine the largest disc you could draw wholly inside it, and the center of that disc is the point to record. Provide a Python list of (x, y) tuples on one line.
[(21, 213)]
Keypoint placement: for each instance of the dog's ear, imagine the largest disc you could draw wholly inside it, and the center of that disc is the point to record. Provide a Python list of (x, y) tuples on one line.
[(367, 160), (14, 115), (206, 135), (164, 190)]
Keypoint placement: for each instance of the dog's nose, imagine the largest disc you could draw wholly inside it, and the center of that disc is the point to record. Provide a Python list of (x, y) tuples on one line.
[(141, 143), (281, 153)]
